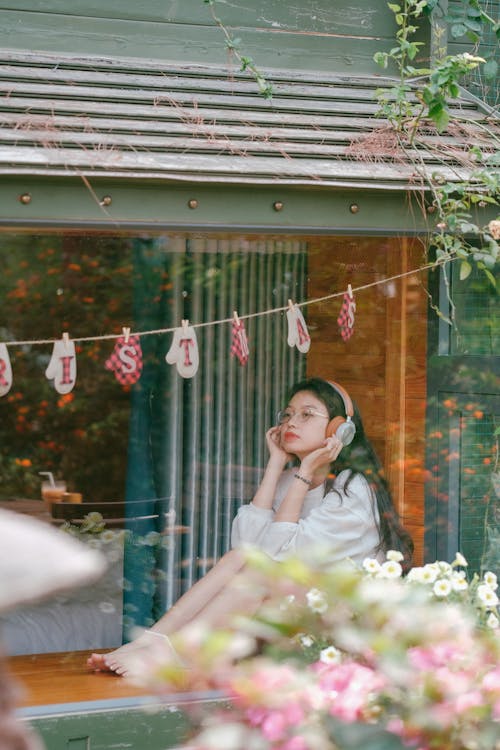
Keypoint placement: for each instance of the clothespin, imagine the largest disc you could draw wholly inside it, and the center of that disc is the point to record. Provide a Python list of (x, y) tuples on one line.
[(291, 305), (185, 324), (349, 291), (65, 338), (126, 334), (235, 318)]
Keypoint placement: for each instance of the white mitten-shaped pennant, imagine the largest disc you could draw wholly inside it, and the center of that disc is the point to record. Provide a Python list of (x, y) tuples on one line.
[(5, 370), (298, 334), (62, 366), (183, 351)]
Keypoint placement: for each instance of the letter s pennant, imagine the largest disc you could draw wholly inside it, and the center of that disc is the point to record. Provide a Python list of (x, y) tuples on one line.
[(345, 320), (126, 360)]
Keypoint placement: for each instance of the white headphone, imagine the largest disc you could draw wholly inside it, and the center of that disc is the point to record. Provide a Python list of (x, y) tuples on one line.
[(344, 429)]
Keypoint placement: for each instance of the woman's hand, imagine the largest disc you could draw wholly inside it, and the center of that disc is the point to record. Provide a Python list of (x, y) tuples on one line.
[(273, 440), (321, 457)]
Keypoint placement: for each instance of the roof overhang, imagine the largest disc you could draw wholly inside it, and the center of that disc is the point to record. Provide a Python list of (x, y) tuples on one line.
[(132, 119)]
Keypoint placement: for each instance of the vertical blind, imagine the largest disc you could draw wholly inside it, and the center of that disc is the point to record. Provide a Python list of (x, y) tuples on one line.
[(198, 445)]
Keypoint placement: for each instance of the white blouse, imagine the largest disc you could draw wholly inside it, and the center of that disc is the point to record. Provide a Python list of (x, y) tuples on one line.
[(342, 524)]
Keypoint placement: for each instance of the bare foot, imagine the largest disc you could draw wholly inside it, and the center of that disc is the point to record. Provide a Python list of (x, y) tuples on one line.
[(128, 660), (99, 662)]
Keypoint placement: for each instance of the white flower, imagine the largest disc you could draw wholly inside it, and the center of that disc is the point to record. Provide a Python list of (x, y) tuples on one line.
[(371, 565), (459, 560), (430, 572), (316, 600), (459, 581), (330, 655), (395, 555), (390, 569), (486, 595), (490, 580), (415, 574), (442, 587), (471, 58), (492, 621), (444, 567), (306, 641)]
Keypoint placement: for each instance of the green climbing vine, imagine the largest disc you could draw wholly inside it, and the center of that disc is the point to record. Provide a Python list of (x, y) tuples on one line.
[(419, 99), (421, 96), (233, 46)]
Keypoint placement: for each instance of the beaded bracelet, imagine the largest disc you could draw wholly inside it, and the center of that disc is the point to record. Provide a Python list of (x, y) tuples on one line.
[(303, 479)]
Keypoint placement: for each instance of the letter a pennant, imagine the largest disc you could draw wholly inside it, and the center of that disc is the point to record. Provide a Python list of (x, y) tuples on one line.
[(183, 351), (298, 334), (126, 359)]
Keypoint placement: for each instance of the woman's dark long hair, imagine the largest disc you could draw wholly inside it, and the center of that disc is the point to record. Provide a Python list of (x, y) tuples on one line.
[(360, 458)]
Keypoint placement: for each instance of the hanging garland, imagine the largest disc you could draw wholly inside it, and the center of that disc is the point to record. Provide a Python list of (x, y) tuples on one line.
[(126, 359)]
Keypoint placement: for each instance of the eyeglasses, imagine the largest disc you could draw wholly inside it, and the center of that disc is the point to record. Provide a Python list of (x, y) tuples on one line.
[(300, 416)]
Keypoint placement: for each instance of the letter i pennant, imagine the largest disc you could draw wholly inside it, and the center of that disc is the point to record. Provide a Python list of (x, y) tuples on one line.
[(5, 371), (183, 351), (126, 359), (62, 366)]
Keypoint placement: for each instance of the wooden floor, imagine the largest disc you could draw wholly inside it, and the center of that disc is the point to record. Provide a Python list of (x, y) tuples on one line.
[(64, 678)]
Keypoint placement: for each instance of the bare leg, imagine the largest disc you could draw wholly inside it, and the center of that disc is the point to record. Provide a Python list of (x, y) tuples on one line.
[(202, 594)]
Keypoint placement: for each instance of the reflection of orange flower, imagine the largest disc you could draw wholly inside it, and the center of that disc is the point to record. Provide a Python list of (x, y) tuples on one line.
[(74, 267), (469, 471), (89, 300), (65, 399), (449, 403), (23, 462), (487, 461), (478, 414), (438, 435)]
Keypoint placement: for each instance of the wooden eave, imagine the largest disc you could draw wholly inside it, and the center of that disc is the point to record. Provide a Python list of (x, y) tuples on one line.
[(136, 119)]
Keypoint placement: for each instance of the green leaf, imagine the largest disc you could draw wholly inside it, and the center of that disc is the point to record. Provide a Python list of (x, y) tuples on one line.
[(395, 8), (440, 116), (473, 25), (458, 29), (490, 69), (465, 270), (354, 736), (491, 278), (381, 59)]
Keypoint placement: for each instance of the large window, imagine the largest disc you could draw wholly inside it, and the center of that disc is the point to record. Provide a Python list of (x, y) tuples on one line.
[(167, 457)]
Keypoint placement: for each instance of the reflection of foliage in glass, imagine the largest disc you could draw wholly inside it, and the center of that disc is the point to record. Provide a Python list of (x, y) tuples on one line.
[(52, 284)]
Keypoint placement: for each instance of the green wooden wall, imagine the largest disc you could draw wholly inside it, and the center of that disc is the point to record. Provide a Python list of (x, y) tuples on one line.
[(338, 35), (486, 89)]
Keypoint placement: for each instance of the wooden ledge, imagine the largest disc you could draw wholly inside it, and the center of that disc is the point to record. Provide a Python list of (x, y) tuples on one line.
[(58, 678)]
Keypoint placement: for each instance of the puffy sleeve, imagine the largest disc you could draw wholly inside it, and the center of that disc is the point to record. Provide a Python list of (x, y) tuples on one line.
[(343, 525), (251, 522)]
